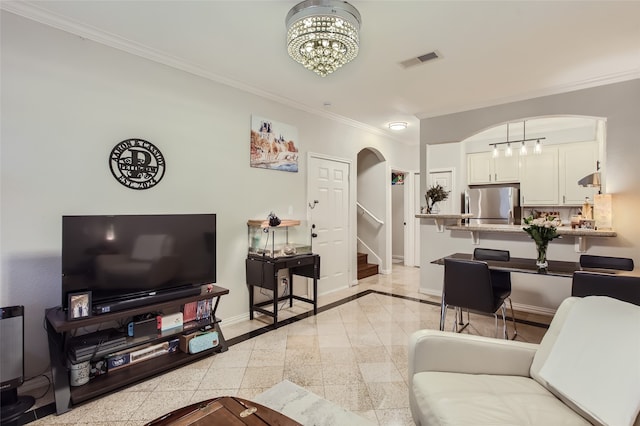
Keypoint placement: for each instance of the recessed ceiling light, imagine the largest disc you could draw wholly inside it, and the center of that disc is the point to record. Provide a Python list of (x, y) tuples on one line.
[(398, 125)]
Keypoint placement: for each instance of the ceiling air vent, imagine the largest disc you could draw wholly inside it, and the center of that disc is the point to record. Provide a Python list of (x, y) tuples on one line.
[(419, 60)]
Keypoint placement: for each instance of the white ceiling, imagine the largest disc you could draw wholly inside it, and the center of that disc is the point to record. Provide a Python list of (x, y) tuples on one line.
[(491, 51)]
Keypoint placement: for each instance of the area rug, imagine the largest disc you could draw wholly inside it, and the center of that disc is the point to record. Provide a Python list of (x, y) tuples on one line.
[(306, 407)]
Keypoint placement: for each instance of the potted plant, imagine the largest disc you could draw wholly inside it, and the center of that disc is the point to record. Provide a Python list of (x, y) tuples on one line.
[(434, 195)]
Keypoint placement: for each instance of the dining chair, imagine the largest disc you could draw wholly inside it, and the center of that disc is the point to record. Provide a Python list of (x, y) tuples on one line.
[(621, 287), (500, 280), (468, 285), (606, 262)]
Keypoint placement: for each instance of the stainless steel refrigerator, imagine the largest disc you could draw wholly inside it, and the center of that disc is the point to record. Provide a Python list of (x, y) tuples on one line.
[(499, 205)]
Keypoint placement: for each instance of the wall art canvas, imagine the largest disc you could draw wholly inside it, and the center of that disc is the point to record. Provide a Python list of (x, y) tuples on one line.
[(273, 145), (397, 178)]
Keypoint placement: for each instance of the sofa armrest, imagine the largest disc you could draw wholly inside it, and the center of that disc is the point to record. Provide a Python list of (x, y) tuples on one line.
[(431, 350)]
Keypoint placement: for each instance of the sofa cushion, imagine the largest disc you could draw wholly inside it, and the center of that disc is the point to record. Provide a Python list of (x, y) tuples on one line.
[(477, 399), (595, 356), (549, 338)]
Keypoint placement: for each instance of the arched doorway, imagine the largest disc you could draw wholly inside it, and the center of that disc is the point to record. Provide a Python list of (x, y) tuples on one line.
[(373, 227)]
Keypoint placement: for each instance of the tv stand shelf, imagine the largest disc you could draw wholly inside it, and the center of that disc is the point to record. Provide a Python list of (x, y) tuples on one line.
[(59, 328)]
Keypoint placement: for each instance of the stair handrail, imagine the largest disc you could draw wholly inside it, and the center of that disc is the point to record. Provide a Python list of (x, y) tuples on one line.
[(370, 250), (369, 213)]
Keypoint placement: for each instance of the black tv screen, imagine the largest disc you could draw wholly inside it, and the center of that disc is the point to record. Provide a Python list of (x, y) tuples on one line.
[(127, 256)]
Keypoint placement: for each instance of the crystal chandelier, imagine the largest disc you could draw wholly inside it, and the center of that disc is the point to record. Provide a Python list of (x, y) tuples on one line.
[(322, 35)]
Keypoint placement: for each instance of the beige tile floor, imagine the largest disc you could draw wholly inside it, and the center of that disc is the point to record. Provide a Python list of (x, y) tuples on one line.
[(354, 354)]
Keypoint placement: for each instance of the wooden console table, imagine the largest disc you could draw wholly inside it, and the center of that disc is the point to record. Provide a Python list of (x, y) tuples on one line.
[(60, 331), (262, 271)]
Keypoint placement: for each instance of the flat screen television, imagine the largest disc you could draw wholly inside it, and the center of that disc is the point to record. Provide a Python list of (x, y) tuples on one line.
[(128, 257)]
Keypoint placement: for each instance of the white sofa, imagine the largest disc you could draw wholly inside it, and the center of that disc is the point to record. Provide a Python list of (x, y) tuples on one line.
[(576, 376)]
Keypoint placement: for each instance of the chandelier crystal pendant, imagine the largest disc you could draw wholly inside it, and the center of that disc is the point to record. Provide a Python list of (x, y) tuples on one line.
[(323, 35)]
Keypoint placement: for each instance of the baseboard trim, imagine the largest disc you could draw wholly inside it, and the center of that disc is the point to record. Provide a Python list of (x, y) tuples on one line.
[(534, 309), (334, 290), (531, 309)]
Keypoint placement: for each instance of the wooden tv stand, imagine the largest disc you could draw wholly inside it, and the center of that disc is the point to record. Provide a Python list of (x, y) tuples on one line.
[(60, 330)]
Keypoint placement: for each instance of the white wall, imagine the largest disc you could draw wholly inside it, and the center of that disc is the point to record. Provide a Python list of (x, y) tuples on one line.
[(448, 156), (619, 104), (66, 102)]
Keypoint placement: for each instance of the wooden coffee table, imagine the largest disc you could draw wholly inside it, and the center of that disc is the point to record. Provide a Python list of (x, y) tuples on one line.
[(223, 411)]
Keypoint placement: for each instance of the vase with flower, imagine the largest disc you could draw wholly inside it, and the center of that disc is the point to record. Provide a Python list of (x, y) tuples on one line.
[(434, 195), (542, 230)]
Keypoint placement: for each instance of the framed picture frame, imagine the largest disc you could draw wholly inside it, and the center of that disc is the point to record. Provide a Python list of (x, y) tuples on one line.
[(79, 305), (273, 145)]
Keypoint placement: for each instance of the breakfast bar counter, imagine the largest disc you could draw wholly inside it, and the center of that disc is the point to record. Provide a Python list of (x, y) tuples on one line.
[(580, 234)]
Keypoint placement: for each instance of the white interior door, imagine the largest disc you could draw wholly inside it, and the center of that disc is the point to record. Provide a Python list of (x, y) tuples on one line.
[(443, 178), (328, 183)]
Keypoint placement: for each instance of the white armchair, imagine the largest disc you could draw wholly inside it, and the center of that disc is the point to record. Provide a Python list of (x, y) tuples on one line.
[(459, 379)]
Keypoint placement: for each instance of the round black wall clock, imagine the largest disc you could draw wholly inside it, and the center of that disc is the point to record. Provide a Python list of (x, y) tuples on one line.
[(137, 164)]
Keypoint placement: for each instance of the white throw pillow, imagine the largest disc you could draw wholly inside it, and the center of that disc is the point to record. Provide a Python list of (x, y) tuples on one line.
[(595, 361)]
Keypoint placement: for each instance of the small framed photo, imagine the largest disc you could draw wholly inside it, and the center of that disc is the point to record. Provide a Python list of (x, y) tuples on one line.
[(79, 305)]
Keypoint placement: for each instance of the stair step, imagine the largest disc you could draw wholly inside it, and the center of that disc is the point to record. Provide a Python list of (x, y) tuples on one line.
[(362, 258), (367, 270)]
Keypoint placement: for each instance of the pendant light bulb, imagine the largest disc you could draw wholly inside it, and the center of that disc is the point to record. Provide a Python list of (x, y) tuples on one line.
[(509, 151), (538, 148), (495, 151), (523, 149)]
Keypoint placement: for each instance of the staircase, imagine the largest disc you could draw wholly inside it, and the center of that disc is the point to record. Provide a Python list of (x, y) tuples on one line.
[(366, 269)]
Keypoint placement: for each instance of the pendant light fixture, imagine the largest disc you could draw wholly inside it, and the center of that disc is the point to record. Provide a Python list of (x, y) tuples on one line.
[(537, 149), (523, 148), (508, 152), (323, 35)]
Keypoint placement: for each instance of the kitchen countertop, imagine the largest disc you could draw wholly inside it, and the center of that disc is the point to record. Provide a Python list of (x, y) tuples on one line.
[(443, 216), (440, 219), (516, 229)]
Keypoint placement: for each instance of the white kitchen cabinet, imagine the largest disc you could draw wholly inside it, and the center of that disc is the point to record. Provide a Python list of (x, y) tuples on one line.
[(576, 160), (479, 168), (483, 169), (507, 169), (539, 178)]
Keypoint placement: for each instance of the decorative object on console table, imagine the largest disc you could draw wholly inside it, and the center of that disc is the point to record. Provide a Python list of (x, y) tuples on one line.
[(203, 310), (189, 311), (275, 237), (542, 230), (79, 305), (434, 195)]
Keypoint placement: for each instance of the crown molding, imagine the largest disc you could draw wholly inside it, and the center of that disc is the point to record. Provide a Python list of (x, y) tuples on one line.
[(43, 16), (553, 90)]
